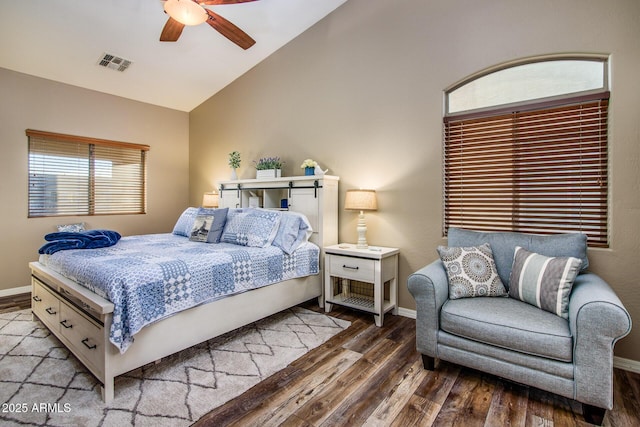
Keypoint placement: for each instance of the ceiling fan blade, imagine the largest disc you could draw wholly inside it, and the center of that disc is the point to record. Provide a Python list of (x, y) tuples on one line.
[(229, 30), (171, 31), (216, 2)]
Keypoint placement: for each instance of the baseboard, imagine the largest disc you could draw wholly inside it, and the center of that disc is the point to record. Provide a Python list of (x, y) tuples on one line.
[(626, 364), (15, 291), (405, 312)]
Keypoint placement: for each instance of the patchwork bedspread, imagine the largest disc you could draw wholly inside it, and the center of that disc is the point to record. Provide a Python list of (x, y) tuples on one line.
[(154, 276)]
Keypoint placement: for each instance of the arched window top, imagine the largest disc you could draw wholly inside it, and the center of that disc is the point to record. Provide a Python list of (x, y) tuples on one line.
[(527, 80)]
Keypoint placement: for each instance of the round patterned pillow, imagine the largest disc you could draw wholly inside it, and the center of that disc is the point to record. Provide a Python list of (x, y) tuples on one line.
[(471, 271)]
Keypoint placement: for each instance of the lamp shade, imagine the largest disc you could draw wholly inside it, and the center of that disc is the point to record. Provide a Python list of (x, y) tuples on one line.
[(361, 200), (186, 12), (210, 200)]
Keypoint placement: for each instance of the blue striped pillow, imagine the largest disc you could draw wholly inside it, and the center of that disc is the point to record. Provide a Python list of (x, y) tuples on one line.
[(542, 281)]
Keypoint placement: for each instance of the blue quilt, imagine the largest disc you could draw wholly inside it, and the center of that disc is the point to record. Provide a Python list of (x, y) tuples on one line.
[(154, 276)]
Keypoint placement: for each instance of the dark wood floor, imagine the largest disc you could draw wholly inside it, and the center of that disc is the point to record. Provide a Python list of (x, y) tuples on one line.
[(373, 376), (16, 302)]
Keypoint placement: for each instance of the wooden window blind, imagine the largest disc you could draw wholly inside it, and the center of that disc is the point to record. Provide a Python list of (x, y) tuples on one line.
[(541, 169), (72, 175)]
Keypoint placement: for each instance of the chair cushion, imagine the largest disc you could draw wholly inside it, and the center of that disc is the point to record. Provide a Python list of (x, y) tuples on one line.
[(471, 272), (544, 282), (503, 245), (510, 324)]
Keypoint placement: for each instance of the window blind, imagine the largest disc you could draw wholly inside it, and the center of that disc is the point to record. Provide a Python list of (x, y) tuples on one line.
[(72, 175), (541, 169)]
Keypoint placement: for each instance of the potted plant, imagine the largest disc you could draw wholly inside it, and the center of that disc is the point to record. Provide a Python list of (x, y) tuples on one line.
[(268, 167), (309, 166), (234, 162)]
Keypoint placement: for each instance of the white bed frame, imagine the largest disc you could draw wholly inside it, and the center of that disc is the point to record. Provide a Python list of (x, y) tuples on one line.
[(82, 320)]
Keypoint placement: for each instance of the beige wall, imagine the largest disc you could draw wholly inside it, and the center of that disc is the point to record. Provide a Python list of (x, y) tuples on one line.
[(33, 103), (361, 92)]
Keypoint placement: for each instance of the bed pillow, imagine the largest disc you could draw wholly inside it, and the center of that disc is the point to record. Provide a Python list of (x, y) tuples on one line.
[(294, 230), (185, 222), (208, 225), (471, 271), (252, 227), (543, 281), (72, 228)]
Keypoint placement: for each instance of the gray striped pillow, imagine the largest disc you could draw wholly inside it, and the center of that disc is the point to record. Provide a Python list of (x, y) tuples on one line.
[(543, 281)]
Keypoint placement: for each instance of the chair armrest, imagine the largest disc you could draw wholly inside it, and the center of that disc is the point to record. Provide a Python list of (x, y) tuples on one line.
[(430, 288), (597, 320)]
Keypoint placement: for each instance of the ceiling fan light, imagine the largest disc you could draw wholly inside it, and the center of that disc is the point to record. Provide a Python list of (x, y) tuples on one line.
[(186, 12)]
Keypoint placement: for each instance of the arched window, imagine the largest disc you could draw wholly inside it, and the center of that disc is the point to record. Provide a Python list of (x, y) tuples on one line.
[(525, 148)]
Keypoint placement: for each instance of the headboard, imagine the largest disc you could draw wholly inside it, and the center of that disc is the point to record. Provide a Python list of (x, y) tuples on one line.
[(314, 196)]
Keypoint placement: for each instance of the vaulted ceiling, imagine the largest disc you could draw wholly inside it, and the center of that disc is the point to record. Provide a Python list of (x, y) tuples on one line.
[(64, 40)]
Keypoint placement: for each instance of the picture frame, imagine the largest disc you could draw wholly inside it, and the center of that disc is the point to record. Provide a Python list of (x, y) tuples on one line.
[(201, 227)]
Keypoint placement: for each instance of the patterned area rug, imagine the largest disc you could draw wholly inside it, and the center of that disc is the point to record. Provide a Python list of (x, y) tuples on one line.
[(42, 384)]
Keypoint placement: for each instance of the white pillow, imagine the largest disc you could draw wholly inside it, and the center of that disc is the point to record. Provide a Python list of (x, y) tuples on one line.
[(72, 228), (294, 230)]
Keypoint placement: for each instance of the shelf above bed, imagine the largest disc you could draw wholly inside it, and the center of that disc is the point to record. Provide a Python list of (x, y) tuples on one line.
[(315, 196)]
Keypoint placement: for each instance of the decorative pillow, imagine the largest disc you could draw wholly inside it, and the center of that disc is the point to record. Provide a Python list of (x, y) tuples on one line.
[(201, 227), (471, 272), (208, 225), (185, 222), (542, 281), (71, 228), (294, 230), (253, 227)]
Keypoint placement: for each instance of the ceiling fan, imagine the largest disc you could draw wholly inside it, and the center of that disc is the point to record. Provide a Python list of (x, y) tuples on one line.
[(193, 12)]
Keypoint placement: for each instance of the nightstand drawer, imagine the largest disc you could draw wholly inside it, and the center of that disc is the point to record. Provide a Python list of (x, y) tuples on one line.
[(352, 268)]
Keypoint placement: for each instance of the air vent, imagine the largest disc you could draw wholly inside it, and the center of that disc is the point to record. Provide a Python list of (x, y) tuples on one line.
[(114, 62)]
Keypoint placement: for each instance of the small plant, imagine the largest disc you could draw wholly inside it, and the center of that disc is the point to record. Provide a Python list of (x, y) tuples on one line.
[(268, 163), (234, 159), (309, 163)]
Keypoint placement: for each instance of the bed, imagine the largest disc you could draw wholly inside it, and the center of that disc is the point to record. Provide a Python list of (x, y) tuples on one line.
[(120, 307)]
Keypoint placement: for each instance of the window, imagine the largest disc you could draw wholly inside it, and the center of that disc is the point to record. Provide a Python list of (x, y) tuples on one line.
[(72, 175), (535, 162)]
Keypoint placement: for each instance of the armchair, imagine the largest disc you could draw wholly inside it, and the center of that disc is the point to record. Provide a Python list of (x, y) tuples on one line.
[(512, 339)]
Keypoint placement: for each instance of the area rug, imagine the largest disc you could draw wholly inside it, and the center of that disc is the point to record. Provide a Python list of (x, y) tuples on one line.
[(42, 384)]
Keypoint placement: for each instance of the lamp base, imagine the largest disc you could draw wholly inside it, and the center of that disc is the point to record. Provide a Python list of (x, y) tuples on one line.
[(362, 232)]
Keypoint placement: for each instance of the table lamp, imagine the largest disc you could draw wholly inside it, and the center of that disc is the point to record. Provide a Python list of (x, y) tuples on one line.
[(210, 200), (361, 200)]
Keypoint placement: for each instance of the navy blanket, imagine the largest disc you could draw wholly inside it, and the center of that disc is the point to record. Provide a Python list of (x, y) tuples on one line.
[(81, 240)]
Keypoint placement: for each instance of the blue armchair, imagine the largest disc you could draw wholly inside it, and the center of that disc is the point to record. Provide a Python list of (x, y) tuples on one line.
[(520, 342)]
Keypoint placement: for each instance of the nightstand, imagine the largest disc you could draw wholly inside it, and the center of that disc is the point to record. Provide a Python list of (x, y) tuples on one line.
[(365, 279)]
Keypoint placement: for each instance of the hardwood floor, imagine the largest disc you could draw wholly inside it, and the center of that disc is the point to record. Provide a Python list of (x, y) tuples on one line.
[(15, 302), (373, 376)]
